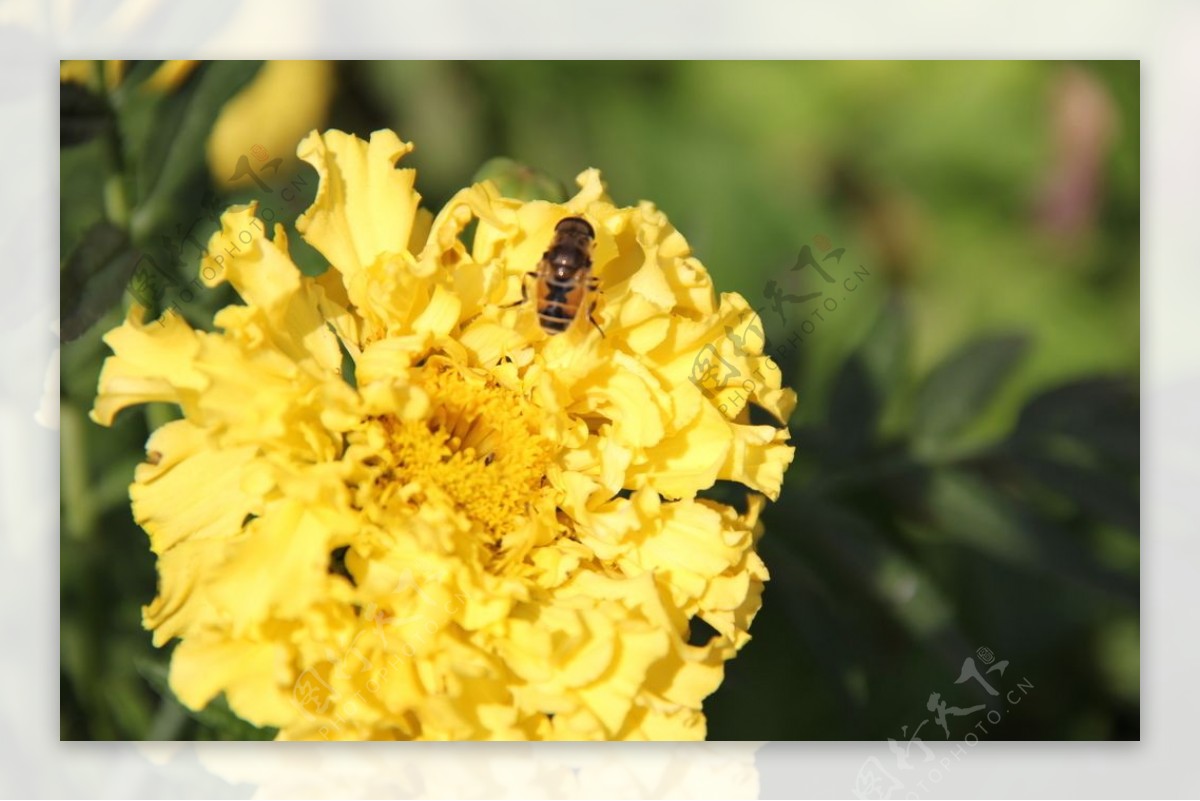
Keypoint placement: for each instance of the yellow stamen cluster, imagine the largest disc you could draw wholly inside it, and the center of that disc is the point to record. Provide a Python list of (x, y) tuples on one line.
[(479, 451)]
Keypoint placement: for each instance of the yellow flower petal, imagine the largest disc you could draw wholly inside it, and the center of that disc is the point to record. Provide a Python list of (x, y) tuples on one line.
[(252, 674), (758, 457), (365, 208), (164, 501), (151, 362), (263, 274)]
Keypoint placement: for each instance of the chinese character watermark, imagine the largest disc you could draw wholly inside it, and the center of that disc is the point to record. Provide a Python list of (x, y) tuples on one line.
[(713, 370), (152, 282), (389, 637), (913, 777)]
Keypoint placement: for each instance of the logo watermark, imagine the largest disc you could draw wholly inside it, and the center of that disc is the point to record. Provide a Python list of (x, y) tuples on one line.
[(314, 691), (152, 281), (824, 290), (914, 775)]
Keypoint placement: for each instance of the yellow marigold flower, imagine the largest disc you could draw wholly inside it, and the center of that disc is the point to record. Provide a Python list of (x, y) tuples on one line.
[(485, 533)]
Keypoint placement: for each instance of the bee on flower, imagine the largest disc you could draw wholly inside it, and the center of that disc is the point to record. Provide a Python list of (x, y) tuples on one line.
[(495, 529)]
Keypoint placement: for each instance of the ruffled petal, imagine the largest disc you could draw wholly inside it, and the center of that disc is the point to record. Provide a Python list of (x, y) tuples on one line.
[(288, 305), (150, 362), (365, 209)]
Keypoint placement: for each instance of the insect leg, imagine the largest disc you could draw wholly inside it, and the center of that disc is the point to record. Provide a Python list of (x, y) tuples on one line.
[(524, 291), (592, 308)]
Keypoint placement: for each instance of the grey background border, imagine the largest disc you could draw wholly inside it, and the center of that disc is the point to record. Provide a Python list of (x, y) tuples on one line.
[(1165, 36)]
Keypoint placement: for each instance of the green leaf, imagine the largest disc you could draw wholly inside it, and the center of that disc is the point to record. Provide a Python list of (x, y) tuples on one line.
[(83, 115), (885, 351), (173, 156), (136, 73), (969, 512), (853, 602), (1101, 412), (1118, 654), (1096, 492), (853, 409), (961, 387), (854, 555), (94, 277), (515, 180), (82, 175), (1080, 441)]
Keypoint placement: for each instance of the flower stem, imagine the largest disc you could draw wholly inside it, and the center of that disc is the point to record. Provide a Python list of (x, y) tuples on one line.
[(78, 510), (116, 202), (116, 205)]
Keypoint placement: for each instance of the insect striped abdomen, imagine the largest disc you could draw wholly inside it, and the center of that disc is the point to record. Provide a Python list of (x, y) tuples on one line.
[(564, 274)]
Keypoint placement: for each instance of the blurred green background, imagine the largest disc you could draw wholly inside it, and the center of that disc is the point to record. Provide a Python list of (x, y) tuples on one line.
[(967, 433)]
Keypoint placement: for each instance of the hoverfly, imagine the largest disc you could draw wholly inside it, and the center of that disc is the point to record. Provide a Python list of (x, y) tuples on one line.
[(564, 276)]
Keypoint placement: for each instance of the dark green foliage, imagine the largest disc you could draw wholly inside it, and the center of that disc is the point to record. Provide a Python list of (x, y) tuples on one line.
[(83, 115), (173, 154), (957, 389), (94, 277), (893, 563)]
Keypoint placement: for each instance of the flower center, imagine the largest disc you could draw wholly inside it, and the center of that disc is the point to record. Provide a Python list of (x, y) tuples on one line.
[(480, 448)]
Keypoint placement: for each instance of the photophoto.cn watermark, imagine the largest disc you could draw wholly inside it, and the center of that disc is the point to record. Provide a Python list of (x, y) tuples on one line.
[(912, 775), (802, 307), (391, 639), (152, 280)]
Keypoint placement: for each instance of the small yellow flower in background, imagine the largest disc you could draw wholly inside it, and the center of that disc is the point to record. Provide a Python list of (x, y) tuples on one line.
[(89, 73), (265, 120), (167, 78), (485, 532), (171, 75), (262, 122)]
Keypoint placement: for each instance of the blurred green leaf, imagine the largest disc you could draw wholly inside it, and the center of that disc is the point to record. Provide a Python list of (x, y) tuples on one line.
[(174, 153), (847, 618), (1118, 655), (885, 351), (973, 513), (112, 488), (1080, 442), (960, 388), (94, 277), (75, 655), (1100, 411), (82, 174), (967, 512), (854, 406), (136, 73), (1099, 493), (83, 115)]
